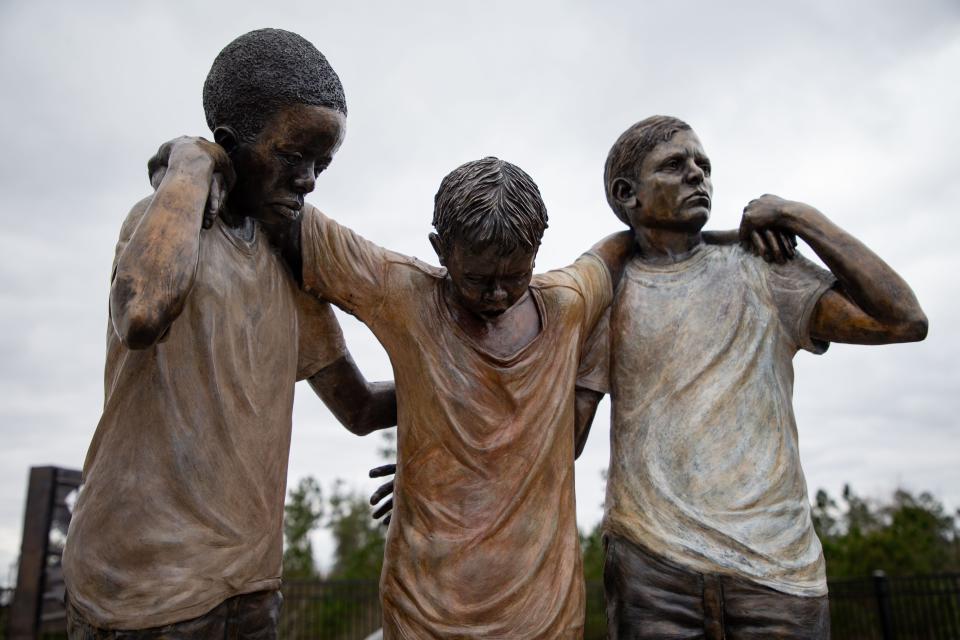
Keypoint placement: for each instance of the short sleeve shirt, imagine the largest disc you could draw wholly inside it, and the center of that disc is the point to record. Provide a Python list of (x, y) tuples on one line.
[(704, 465), (483, 541), (185, 479)]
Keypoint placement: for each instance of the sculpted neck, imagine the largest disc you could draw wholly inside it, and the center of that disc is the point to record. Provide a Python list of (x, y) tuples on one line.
[(240, 225), (664, 246), (234, 215)]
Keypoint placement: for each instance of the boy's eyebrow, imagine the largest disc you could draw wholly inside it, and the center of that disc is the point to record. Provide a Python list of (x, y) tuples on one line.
[(673, 155)]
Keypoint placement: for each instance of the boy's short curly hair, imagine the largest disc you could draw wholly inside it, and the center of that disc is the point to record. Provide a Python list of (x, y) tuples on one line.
[(490, 202), (262, 72), (628, 152)]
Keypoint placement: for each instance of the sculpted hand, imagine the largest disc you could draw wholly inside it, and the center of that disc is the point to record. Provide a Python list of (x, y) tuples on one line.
[(764, 229), (386, 489), (187, 152)]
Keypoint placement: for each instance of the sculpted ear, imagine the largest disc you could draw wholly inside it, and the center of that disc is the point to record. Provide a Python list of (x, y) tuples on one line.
[(624, 192), (226, 137), (437, 245)]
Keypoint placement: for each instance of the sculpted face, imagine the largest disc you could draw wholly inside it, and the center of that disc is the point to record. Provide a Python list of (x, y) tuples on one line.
[(485, 282), (281, 165), (673, 188)]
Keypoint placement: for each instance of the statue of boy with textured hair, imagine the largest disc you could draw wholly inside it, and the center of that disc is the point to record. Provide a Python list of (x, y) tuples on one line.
[(708, 528), (178, 529), (483, 542)]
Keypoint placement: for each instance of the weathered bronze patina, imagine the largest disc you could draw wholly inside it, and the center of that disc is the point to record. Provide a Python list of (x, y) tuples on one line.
[(696, 351), (182, 506)]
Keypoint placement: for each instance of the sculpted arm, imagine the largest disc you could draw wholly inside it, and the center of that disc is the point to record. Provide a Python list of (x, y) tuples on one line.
[(155, 271), (361, 406), (585, 406), (614, 251), (872, 304)]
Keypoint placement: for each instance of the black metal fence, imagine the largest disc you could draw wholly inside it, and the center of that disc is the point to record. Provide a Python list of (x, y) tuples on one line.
[(336, 610), (906, 608), (875, 608)]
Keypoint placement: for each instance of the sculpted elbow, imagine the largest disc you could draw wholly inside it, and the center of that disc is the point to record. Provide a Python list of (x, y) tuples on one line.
[(136, 327), (360, 424), (137, 333), (360, 430), (913, 329), (138, 323), (916, 329)]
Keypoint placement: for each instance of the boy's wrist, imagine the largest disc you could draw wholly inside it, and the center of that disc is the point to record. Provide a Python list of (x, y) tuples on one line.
[(191, 158), (798, 217)]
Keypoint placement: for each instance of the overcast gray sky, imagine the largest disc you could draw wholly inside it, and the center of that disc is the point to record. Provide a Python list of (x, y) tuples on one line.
[(850, 106)]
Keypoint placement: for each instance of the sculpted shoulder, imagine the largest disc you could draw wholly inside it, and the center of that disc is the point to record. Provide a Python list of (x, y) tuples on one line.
[(417, 267)]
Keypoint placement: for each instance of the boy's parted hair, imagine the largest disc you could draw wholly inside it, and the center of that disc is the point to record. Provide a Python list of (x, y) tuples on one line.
[(628, 152), (490, 202), (262, 72)]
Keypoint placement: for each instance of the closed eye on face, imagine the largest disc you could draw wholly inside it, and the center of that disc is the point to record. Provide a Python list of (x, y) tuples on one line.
[(290, 159)]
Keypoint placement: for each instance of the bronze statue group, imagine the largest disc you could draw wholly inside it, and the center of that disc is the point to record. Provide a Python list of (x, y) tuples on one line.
[(219, 303)]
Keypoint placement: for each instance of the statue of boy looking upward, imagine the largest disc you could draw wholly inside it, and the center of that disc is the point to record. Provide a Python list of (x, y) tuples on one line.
[(708, 528)]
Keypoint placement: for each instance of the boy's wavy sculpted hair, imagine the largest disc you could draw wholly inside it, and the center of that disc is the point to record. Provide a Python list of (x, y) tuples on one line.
[(628, 152), (490, 202)]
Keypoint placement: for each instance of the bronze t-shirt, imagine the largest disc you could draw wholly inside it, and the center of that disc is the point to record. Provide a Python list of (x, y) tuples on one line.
[(182, 505), (704, 459), (483, 542)]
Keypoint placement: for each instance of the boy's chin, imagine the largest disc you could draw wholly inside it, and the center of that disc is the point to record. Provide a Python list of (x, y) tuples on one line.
[(490, 314), (278, 216)]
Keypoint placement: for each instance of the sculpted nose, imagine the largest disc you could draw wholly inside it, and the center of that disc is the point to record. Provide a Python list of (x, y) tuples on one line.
[(695, 173), (498, 294), (305, 181)]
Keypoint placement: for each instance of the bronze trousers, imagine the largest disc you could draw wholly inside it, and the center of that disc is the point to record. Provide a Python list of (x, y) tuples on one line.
[(251, 616), (649, 597)]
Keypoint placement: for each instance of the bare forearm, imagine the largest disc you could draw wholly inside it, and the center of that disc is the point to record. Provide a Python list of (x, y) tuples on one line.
[(361, 406), (864, 277), (155, 273), (379, 411), (585, 407)]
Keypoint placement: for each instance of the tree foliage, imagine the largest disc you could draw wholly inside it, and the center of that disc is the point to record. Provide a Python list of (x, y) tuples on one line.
[(905, 535), (302, 514), (358, 539), (909, 534)]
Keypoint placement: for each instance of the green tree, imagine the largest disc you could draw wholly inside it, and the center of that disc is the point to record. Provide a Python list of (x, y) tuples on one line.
[(388, 448), (592, 547), (358, 539), (910, 534), (302, 514)]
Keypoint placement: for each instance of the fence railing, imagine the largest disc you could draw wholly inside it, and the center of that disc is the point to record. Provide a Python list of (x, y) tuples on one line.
[(336, 610), (904, 608), (875, 608)]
